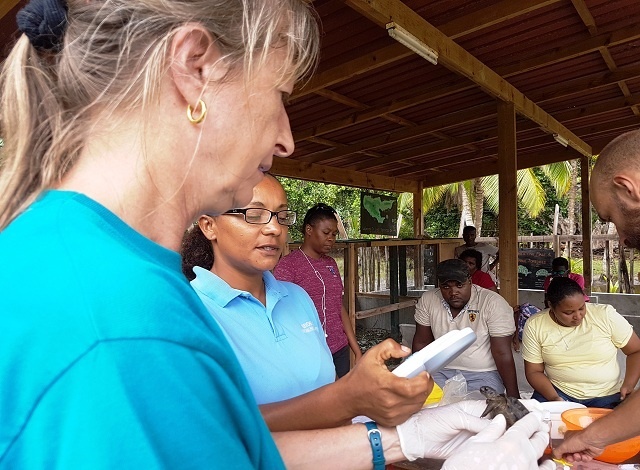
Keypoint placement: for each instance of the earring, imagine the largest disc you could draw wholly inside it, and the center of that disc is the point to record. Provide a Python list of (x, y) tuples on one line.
[(203, 113)]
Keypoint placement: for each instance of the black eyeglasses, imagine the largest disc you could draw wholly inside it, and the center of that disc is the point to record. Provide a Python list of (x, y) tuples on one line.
[(560, 272), (254, 215)]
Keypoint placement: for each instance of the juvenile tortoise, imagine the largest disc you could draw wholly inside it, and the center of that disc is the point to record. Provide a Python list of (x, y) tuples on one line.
[(499, 403)]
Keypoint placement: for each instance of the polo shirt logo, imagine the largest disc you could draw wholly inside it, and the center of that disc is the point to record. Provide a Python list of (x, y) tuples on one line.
[(332, 270), (308, 327), (473, 314)]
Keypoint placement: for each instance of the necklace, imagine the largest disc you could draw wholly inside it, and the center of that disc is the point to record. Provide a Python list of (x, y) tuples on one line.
[(324, 294), (562, 337)]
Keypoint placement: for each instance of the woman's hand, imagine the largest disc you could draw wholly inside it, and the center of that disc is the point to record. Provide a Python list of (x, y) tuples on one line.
[(358, 355), (515, 342), (373, 391), (626, 390)]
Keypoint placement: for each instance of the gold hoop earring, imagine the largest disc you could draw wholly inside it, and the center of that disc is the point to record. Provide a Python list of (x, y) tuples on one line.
[(203, 113)]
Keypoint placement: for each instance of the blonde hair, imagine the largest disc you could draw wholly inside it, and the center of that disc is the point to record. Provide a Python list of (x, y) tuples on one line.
[(114, 55)]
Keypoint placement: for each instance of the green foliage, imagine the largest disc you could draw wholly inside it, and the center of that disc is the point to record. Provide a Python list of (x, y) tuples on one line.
[(542, 224), (442, 221), (346, 200), (538, 190), (531, 194)]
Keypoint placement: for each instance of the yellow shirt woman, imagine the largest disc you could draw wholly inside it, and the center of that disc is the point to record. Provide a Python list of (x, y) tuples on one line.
[(570, 350)]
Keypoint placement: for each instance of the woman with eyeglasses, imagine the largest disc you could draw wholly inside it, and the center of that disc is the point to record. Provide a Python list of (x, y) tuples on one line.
[(273, 326), (277, 336), (317, 273)]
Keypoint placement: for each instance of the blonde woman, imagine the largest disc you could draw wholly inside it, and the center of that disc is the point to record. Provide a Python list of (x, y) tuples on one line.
[(123, 122)]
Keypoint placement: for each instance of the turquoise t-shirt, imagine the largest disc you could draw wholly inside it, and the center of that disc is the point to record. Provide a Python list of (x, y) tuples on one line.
[(108, 358), (281, 346)]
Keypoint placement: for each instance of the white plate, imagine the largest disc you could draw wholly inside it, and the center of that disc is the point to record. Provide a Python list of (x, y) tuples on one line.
[(436, 355)]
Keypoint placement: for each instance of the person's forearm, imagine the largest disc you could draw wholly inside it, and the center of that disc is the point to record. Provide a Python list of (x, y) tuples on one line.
[(507, 370), (541, 384), (339, 448), (324, 407), (621, 424), (351, 336), (503, 357), (632, 372)]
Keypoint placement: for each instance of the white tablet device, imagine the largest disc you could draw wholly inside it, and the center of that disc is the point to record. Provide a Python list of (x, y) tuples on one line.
[(436, 355)]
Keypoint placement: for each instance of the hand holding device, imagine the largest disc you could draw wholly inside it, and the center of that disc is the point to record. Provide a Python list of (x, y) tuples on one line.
[(436, 355)]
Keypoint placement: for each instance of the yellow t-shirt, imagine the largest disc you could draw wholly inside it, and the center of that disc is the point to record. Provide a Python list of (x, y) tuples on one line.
[(580, 361), (486, 313)]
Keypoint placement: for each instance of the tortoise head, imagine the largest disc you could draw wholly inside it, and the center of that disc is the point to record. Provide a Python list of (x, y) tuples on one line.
[(488, 392)]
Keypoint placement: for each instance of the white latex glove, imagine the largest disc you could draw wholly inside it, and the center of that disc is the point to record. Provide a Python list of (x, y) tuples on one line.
[(532, 405), (494, 449), (437, 432)]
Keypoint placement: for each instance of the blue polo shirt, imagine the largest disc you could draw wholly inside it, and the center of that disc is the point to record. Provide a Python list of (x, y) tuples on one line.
[(281, 347), (108, 358)]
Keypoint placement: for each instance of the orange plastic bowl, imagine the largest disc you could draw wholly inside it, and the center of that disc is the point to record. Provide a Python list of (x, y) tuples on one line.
[(579, 418)]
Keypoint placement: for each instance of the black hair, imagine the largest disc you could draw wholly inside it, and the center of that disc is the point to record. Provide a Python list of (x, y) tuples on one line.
[(317, 213), (561, 288), (560, 261), (196, 250), (471, 253), (468, 228)]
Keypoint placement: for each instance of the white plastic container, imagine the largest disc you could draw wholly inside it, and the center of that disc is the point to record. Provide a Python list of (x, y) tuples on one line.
[(556, 408)]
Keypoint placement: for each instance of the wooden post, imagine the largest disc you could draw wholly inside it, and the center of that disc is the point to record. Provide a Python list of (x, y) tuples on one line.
[(632, 275), (587, 247), (418, 232), (508, 192), (394, 290), (556, 238), (351, 287), (607, 264)]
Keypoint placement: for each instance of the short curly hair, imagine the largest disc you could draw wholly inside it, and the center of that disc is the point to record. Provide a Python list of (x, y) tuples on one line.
[(196, 250)]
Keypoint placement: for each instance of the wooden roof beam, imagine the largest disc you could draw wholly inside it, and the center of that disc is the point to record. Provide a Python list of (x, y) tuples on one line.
[(566, 115), (528, 160), (489, 16), (440, 165), (439, 123), (505, 10), (425, 150), (461, 117), (457, 59), (437, 178), (580, 48), (6, 6), (585, 16), (325, 174)]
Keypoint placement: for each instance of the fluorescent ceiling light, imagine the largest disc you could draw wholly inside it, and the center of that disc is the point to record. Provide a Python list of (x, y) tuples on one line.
[(561, 140), (407, 39)]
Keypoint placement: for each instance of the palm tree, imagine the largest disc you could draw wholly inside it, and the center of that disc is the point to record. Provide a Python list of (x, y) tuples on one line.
[(470, 196)]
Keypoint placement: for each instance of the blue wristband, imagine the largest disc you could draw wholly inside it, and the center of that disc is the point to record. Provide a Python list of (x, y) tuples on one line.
[(375, 439)]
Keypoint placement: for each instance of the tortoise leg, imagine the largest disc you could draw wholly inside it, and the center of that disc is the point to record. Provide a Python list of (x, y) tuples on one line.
[(489, 411)]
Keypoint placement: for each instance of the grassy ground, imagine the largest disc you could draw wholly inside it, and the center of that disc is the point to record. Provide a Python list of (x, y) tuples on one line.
[(599, 283)]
